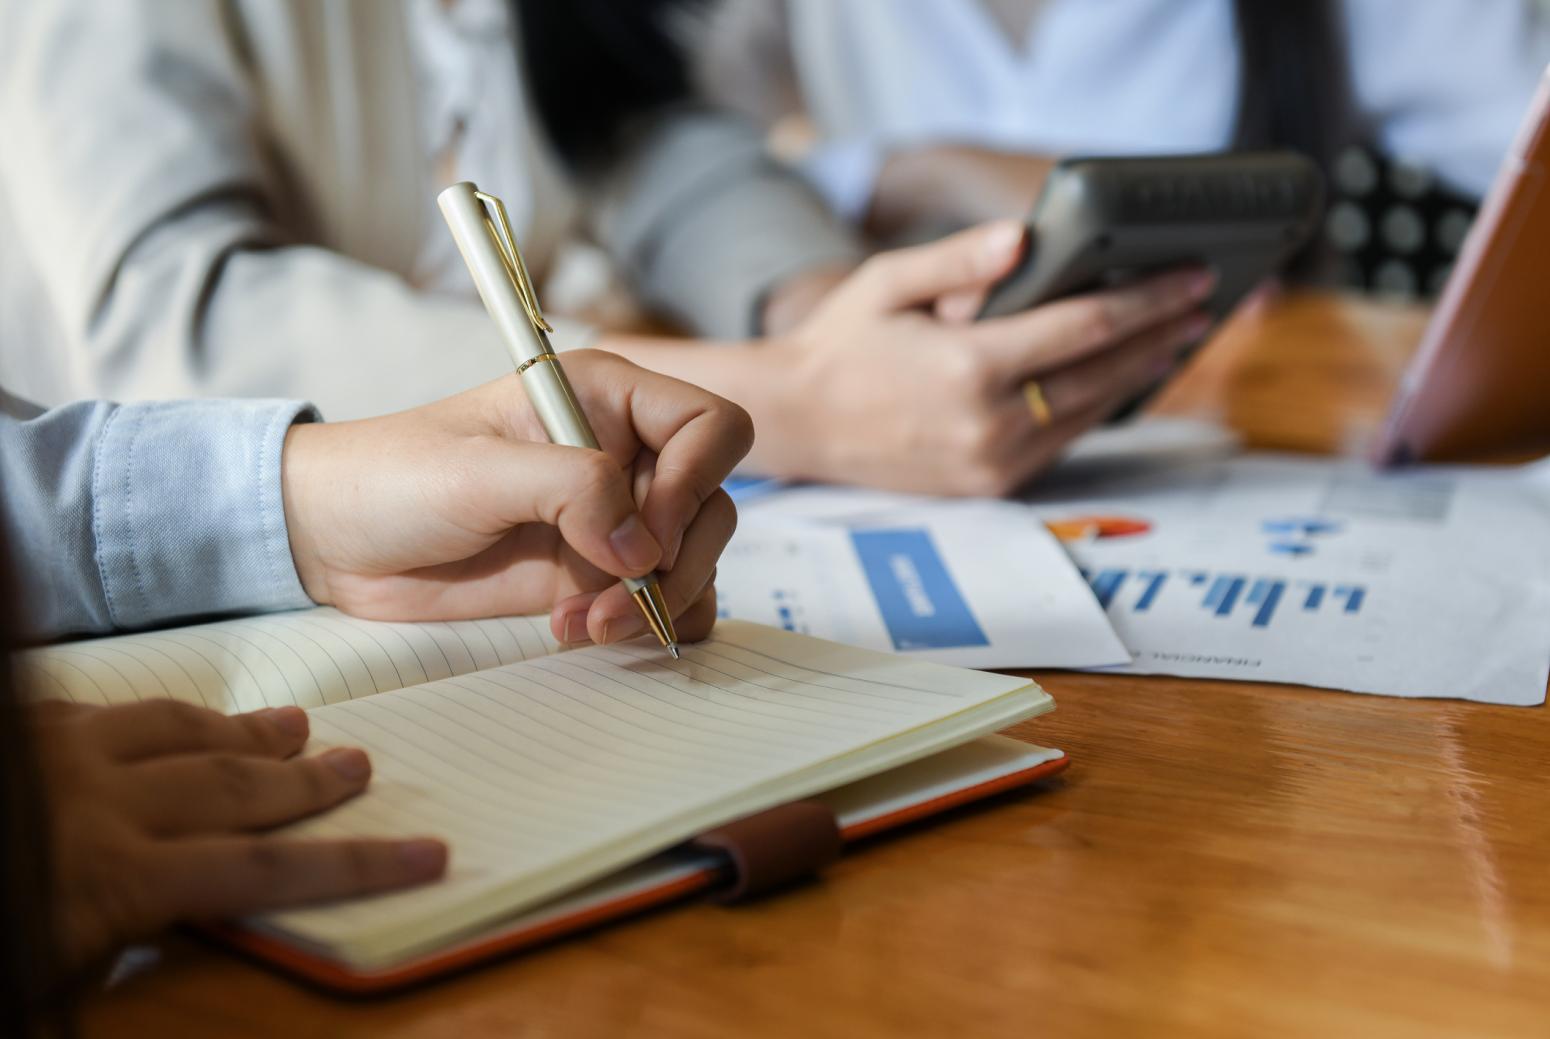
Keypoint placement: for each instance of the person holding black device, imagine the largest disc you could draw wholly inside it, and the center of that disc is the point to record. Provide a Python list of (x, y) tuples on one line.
[(271, 231)]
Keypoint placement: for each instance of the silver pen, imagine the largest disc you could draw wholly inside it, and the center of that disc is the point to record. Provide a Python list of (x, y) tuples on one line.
[(483, 235)]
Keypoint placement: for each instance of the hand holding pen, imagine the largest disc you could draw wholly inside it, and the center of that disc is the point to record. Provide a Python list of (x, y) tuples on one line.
[(483, 234)]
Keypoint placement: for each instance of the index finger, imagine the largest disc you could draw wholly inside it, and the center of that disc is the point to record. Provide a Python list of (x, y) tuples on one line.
[(698, 439), (1066, 331), (233, 876), (131, 732)]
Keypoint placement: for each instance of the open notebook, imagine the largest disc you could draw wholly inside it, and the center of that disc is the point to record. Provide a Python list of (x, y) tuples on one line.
[(551, 772)]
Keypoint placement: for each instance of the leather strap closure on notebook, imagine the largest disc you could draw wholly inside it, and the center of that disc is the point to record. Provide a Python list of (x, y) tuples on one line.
[(774, 847)]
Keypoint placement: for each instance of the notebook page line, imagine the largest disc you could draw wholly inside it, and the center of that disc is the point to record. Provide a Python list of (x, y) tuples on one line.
[(692, 703), (725, 714), (309, 658), (826, 706), (718, 650)]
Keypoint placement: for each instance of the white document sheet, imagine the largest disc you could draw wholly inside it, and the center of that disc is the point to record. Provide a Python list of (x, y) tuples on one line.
[(965, 584), (1432, 582)]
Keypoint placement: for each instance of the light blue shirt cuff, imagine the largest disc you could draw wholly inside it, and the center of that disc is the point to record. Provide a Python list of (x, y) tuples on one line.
[(187, 510)]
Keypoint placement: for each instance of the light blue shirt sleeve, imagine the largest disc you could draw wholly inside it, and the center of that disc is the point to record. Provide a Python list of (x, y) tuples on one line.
[(127, 516)]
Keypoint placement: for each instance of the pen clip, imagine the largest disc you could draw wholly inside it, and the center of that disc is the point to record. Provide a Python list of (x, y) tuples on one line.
[(506, 245)]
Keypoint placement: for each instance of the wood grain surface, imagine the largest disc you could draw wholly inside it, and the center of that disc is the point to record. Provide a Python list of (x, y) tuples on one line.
[(1220, 860)]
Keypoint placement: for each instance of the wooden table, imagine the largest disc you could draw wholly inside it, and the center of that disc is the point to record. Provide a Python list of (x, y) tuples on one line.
[(1221, 859)]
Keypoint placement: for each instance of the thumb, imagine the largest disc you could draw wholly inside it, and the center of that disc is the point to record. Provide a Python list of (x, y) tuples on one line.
[(587, 495), (967, 262)]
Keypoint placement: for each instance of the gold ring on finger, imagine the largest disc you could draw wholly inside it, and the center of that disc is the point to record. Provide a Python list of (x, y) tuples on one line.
[(1033, 393)]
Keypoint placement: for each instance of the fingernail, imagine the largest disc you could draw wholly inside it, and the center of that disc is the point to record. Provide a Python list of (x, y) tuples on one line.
[(292, 721), (1197, 328), (620, 628), (1001, 241), (423, 858), (634, 543), (349, 763), (1202, 284), (573, 626)]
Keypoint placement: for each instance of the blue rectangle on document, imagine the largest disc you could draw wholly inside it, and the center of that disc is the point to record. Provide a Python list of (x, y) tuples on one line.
[(920, 604)]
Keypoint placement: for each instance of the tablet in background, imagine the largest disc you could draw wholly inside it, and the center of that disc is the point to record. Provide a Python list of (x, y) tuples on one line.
[(1480, 382)]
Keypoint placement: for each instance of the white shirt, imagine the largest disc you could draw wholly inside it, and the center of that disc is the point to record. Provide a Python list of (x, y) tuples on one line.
[(477, 125), (1442, 83)]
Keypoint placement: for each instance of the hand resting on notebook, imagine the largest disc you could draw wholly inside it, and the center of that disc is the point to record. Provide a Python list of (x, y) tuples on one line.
[(131, 854), (463, 509), (156, 810)]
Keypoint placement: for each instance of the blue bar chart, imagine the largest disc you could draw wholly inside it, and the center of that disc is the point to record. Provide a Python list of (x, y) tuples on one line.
[(1223, 594)]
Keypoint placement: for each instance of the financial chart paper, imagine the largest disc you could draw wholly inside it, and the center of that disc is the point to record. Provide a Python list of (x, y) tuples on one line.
[(957, 584), (1432, 582)]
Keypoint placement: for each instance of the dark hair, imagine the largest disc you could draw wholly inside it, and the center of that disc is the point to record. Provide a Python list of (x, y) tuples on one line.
[(594, 67), (1294, 91), (1294, 78), (28, 974)]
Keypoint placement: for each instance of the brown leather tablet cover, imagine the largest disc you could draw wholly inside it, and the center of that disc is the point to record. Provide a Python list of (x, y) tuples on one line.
[(1480, 384)]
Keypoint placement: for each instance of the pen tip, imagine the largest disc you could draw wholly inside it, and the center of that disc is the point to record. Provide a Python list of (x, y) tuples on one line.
[(673, 649)]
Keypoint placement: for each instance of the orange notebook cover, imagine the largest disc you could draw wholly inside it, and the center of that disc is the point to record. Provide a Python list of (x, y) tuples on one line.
[(979, 769)]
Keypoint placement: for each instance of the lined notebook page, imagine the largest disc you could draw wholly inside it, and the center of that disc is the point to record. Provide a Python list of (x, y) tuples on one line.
[(307, 657), (548, 774)]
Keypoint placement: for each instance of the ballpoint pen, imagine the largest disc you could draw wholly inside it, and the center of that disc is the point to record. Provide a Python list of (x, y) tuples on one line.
[(483, 235)]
